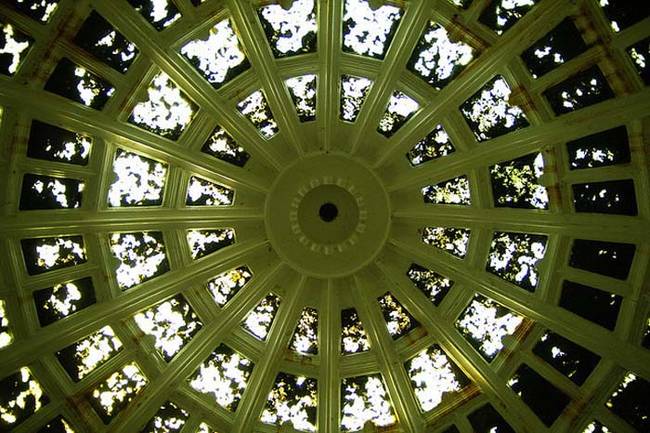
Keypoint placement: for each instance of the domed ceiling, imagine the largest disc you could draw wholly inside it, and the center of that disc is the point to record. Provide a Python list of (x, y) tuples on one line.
[(324, 215)]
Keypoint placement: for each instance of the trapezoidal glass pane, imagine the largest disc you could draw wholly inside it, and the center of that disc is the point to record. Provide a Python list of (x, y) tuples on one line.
[(293, 400), (369, 32), (290, 31), (14, 46), (219, 56)]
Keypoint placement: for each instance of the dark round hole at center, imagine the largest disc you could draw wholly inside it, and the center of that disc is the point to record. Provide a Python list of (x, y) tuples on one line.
[(328, 212)]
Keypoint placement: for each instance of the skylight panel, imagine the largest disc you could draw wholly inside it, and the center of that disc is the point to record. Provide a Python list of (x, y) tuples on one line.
[(582, 90), (303, 94), (449, 239), (488, 112), (63, 300), (52, 143), (226, 285), (141, 257), (435, 145), (222, 146), (612, 259), (223, 376), (14, 46), (99, 38), (169, 419), (45, 192), (487, 420), (354, 338), (432, 284), (437, 59), (83, 357), (515, 257), (485, 323), (570, 359), (57, 425), (622, 13), (596, 427), (464, 4), (138, 181), (434, 377), (305, 336), (516, 183), (354, 91), (39, 10), (293, 400), (159, 13), (399, 110), (540, 395), (204, 428), (629, 401), (598, 306), (204, 242), (609, 197), (258, 322), (398, 321), (167, 111), (640, 55), (6, 336), (364, 398), (201, 192), (452, 191), (49, 254), (500, 15), (290, 31), (21, 397), (560, 45), (219, 57), (257, 110), (78, 84), (609, 147), (369, 32), (112, 395), (171, 323)]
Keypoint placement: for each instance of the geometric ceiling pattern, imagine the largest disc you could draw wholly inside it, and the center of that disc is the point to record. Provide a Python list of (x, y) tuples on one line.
[(144, 286)]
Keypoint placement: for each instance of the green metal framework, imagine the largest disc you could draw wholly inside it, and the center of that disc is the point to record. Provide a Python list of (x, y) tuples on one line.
[(22, 99)]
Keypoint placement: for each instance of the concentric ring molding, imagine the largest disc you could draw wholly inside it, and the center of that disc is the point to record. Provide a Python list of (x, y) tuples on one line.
[(279, 236)]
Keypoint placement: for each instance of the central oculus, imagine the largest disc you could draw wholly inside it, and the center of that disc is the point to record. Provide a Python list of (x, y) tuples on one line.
[(327, 215)]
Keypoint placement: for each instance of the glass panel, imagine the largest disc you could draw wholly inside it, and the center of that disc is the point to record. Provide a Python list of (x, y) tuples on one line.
[(570, 359), (78, 84), (516, 256), (582, 90), (171, 323), (399, 110), (111, 396), (452, 191), (610, 197), (303, 94), (222, 146), (596, 305), (40, 10), (369, 32), (48, 254), (201, 192), (258, 322), (204, 242), (516, 183), (169, 419), (354, 91), (398, 320), (449, 239), (159, 13), (56, 144), (605, 148), (607, 258), (353, 335), (257, 110), (305, 337), (219, 57), (432, 284), (225, 285), (488, 112), (437, 58), (45, 192), (84, 356), (167, 110), (21, 395), (364, 398), (223, 376), (500, 15), (630, 401), (100, 39), (544, 399), (434, 377), (292, 400), (435, 145), (290, 31), (63, 300), (141, 257), (14, 46), (485, 323)]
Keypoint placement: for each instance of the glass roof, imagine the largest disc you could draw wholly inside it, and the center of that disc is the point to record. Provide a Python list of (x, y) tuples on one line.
[(142, 288)]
